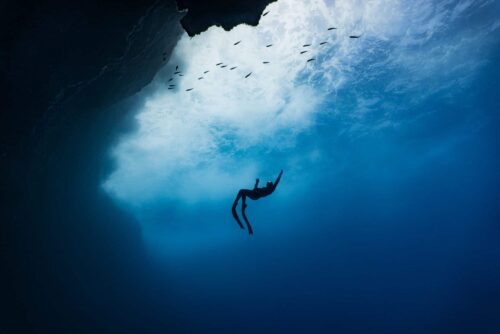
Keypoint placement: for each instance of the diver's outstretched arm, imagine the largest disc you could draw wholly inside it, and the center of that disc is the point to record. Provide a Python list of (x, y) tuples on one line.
[(277, 180), (256, 184)]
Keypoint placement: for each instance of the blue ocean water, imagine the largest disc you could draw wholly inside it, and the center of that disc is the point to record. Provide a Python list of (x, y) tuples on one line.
[(395, 230), (401, 238)]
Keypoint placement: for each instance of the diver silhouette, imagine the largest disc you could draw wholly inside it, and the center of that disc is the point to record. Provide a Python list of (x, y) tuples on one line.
[(253, 194)]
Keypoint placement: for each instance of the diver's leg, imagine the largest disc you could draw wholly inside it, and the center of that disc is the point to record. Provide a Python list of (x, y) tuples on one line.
[(233, 210), (244, 202), (243, 208), (235, 203)]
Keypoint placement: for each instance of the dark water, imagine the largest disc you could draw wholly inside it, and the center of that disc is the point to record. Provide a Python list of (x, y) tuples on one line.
[(397, 233)]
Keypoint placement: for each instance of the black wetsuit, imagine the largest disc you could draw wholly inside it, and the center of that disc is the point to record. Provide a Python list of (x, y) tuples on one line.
[(256, 193), (253, 194)]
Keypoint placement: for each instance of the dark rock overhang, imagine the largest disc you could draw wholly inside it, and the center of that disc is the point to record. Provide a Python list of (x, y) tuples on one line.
[(202, 14)]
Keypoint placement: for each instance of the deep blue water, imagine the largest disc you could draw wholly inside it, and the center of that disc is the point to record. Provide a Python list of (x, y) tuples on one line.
[(387, 219), (394, 230), (395, 244), (398, 234)]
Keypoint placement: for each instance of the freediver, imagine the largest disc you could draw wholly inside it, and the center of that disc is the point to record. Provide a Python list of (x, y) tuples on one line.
[(253, 194)]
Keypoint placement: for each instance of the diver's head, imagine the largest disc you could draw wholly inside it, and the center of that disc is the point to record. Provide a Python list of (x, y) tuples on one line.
[(269, 184)]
